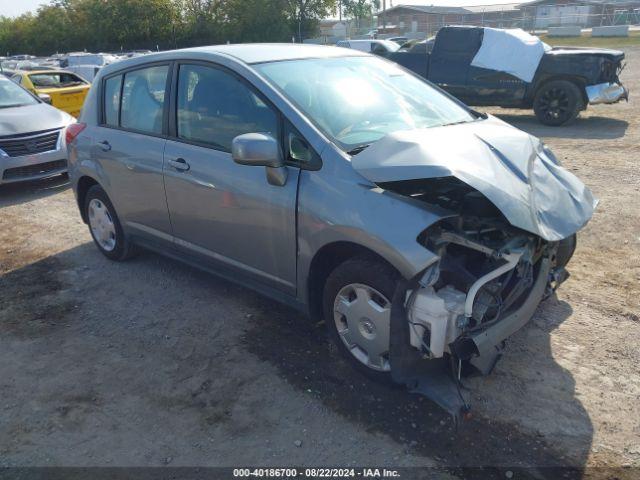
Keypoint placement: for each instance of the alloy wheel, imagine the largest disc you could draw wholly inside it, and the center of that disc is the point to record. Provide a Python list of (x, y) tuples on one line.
[(554, 103)]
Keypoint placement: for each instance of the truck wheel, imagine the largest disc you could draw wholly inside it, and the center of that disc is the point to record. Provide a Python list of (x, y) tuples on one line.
[(105, 227), (557, 102), (357, 309)]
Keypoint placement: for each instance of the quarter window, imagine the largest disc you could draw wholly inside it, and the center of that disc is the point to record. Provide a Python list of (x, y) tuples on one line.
[(214, 107), (112, 100), (143, 96)]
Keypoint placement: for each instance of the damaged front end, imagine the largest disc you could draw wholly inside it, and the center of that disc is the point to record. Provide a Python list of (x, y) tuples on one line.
[(514, 213), (486, 285)]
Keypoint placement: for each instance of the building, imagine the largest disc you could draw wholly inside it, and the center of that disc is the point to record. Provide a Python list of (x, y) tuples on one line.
[(417, 18), (586, 13), (428, 19), (538, 14), (332, 27)]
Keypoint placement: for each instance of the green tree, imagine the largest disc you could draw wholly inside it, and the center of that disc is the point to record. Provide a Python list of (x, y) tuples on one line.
[(111, 25), (304, 15), (359, 10), (256, 21)]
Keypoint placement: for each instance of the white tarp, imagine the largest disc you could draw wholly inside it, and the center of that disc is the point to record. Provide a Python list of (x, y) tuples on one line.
[(512, 51)]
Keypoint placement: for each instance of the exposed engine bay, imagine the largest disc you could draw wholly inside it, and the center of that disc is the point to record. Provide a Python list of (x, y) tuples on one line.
[(488, 272)]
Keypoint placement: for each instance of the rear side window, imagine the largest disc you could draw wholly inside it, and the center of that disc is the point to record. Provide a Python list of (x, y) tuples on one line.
[(111, 104), (215, 106), (143, 97), (463, 42)]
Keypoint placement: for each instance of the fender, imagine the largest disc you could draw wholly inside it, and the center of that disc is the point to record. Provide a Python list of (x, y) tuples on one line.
[(379, 220)]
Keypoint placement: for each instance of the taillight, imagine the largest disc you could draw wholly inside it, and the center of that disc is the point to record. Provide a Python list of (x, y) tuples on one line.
[(73, 130)]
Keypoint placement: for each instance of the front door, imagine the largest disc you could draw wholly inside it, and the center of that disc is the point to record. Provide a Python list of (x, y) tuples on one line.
[(221, 211)]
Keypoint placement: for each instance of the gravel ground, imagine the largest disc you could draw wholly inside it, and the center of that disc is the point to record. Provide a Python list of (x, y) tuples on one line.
[(150, 362)]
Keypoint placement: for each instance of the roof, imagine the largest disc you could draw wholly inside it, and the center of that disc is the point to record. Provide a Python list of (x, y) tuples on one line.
[(435, 9), (246, 53), (498, 7), (43, 71), (611, 3), (429, 9), (270, 52)]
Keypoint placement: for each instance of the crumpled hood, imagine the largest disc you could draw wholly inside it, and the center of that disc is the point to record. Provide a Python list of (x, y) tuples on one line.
[(32, 118), (506, 165)]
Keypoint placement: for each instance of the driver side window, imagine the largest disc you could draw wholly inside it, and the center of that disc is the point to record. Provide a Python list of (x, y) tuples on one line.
[(214, 107)]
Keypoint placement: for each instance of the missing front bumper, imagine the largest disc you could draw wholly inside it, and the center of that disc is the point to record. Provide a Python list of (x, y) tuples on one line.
[(435, 378), (488, 342)]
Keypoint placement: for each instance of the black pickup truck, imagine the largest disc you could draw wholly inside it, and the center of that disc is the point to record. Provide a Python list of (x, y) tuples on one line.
[(565, 81)]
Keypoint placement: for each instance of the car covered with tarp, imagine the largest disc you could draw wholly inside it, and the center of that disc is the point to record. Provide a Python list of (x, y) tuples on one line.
[(511, 68)]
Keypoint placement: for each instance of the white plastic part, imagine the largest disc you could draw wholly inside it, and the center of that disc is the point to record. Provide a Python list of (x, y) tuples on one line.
[(437, 312), (512, 260)]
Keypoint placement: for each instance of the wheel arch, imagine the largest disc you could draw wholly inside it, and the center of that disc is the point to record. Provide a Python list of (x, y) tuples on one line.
[(577, 80), (85, 182), (325, 261)]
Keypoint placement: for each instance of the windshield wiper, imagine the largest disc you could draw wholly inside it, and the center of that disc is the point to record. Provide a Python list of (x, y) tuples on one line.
[(457, 123), (358, 149)]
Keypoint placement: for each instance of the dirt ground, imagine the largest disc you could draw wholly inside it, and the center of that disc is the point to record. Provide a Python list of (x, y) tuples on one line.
[(150, 362)]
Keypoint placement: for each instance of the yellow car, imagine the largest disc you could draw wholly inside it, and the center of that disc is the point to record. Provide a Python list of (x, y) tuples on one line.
[(66, 89)]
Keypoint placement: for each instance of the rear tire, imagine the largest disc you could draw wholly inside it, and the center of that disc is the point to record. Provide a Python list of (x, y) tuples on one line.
[(105, 227), (558, 102), (361, 331)]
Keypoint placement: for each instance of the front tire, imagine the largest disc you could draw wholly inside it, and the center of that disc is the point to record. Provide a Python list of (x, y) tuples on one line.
[(557, 102), (357, 309), (105, 227)]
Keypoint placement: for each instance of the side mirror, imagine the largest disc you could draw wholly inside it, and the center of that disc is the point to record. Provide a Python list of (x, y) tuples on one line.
[(262, 150), (258, 149), (46, 98)]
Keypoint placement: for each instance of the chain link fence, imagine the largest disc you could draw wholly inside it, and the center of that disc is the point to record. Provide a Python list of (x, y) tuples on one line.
[(414, 24)]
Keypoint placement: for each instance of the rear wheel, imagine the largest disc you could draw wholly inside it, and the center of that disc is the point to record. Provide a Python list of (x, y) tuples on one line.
[(357, 310), (557, 102), (104, 225)]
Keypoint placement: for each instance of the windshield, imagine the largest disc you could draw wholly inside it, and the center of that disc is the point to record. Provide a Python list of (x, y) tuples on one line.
[(12, 95), (55, 80), (358, 100)]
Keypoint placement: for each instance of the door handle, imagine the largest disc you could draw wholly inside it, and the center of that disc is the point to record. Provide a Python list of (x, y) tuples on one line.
[(180, 164), (105, 146)]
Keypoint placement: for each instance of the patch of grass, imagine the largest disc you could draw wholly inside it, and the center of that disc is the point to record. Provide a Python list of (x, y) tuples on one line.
[(586, 40)]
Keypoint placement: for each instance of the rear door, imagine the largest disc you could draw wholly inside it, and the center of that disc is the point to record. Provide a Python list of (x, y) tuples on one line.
[(451, 57), (224, 213), (492, 87), (129, 147)]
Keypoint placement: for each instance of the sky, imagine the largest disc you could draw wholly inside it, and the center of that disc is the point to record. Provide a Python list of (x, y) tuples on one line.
[(12, 8)]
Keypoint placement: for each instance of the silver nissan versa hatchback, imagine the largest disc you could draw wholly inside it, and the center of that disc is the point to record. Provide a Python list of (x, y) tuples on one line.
[(423, 233)]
